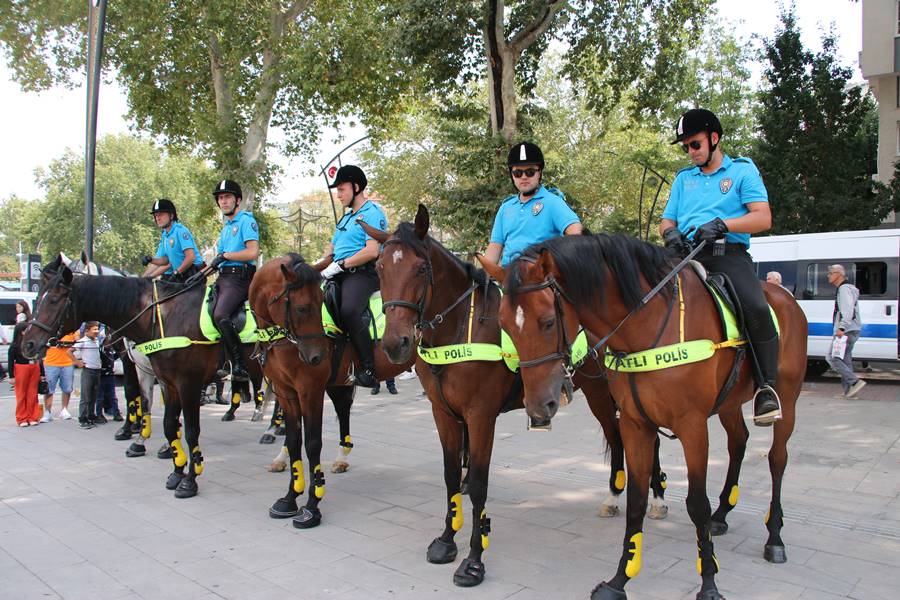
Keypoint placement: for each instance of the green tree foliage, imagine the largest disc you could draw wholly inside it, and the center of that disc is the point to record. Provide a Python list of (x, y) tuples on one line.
[(818, 139), (131, 174), (217, 75)]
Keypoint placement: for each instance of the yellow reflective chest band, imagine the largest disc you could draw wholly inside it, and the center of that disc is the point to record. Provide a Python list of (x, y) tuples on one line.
[(675, 355), (506, 351)]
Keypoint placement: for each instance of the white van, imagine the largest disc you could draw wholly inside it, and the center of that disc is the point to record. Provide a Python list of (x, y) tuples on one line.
[(872, 261), (8, 310)]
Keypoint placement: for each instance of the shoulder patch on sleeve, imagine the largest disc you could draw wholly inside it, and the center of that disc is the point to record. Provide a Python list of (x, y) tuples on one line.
[(254, 226), (557, 192)]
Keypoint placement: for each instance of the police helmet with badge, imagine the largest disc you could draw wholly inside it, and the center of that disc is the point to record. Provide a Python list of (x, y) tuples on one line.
[(353, 175), (164, 205), (695, 121), (525, 153), (227, 186)]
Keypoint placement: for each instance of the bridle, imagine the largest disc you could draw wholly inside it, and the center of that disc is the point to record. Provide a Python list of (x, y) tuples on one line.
[(287, 330), (55, 329), (419, 307)]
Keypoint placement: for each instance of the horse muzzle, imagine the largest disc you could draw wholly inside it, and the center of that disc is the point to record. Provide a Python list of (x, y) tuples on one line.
[(398, 348)]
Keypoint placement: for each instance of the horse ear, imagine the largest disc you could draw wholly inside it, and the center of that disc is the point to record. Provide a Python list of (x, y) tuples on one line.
[(67, 275), (289, 275), (84, 259), (422, 221), (493, 269), (545, 263), (379, 235)]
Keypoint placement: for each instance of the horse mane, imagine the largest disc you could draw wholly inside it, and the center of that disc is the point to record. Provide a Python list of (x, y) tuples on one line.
[(303, 269), (406, 233), (582, 261), (110, 294)]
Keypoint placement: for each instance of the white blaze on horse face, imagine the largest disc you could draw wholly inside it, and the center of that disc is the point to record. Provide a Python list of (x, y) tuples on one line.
[(520, 318), (397, 255)]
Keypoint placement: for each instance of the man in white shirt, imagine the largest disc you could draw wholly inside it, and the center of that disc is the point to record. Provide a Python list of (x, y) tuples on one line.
[(88, 348)]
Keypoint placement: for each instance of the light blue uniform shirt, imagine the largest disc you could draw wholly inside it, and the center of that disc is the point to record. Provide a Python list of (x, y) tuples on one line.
[(238, 230), (173, 245), (698, 198), (349, 237), (521, 224)]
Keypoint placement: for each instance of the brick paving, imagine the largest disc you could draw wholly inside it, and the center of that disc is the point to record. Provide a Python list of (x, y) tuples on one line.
[(79, 520)]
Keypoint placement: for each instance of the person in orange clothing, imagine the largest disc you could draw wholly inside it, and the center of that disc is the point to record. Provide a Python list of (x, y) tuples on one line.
[(27, 374), (59, 369)]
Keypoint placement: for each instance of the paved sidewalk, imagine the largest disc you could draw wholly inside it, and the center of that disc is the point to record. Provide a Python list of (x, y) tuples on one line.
[(79, 520)]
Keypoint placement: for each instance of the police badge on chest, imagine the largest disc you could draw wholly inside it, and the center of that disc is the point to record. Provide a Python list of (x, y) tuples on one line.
[(537, 208), (725, 185)]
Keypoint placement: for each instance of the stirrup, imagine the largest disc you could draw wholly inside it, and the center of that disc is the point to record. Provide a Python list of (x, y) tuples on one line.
[(767, 418)]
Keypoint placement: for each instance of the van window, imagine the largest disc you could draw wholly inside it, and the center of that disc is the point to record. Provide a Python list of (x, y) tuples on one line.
[(817, 286), (787, 268), (871, 278)]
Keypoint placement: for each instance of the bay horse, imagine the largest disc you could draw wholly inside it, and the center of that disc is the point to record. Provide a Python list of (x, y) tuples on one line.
[(286, 296), (432, 298), (141, 310), (600, 282)]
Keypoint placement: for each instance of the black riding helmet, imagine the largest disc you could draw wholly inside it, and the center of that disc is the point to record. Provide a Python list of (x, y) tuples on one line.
[(693, 122), (525, 153), (351, 174), (227, 186), (164, 205)]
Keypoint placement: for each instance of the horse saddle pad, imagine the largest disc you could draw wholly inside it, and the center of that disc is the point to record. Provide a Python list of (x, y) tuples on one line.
[(375, 317), (727, 303), (243, 319)]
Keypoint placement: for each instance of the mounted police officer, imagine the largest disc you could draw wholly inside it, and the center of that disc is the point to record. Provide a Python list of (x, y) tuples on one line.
[(722, 201), (534, 214), (177, 257), (352, 269), (238, 250)]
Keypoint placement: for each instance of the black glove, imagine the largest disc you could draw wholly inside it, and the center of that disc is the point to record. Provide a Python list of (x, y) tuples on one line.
[(712, 231), (218, 260), (676, 242), (146, 260)]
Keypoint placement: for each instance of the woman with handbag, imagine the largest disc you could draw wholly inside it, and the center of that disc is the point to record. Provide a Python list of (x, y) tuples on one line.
[(27, 375)]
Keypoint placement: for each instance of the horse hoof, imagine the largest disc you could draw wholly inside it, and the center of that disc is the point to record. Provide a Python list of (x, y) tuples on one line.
[(307, 518), (775, 554), (279, 430), (257, 415), (441, 552), (135, 450), (228, 417), (124, 432), (267, 438), (277, 466), (340, 466), (174, 480), (283, 509), (608, 510), (469, 573), (660, 511), (718, 527), (711, 594), (186, 489), (605, 592)]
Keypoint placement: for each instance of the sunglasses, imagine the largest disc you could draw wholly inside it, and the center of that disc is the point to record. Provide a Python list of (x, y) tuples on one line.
[(696, 145), (519, 173)]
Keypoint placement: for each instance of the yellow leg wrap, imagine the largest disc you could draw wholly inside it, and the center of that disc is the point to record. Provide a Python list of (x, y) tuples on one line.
[(178, 454), (349, 447), (700, 564), (235, 398), (620, 480), (485, 530), (298, 477), (131, 411), (456, 521), (197, 460), (146, 428), (734, 495), (320, 489), (633, 566), (663, 484)]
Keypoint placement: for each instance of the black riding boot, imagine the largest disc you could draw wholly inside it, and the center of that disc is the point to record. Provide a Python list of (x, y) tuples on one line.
[(362, 343), (766, 405), (233, 345)]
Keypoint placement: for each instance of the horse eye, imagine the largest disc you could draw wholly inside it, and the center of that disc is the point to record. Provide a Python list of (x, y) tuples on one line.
[(422, 270), (303, 309), (549, 323)]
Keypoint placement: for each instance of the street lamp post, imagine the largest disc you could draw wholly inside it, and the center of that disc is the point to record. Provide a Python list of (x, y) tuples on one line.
[(96, 27)]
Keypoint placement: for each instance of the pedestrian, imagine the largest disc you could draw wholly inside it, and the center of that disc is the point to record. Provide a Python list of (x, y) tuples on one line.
[(26, 374), (721, 200), (59, 369), (774, 277), (390, 384), (89, 363), (23, 312), (106, 399), (846, 326)]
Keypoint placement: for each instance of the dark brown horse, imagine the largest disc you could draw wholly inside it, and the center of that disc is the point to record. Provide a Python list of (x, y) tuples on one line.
[(127, 305), (599, 282), (286, 295), (434, 299)]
